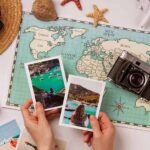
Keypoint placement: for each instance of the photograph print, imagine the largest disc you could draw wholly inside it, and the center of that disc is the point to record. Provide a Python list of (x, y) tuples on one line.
[(9, 135), (47, 82), (83, 98)]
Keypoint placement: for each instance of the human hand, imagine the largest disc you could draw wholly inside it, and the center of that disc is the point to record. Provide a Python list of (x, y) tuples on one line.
[(52, 114), (103, 134), (38, 126)]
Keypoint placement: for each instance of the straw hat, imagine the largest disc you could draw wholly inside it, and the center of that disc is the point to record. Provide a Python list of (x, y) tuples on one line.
[(10, 15)]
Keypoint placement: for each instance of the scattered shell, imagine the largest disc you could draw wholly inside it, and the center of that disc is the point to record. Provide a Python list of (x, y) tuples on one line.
[(44, 10)]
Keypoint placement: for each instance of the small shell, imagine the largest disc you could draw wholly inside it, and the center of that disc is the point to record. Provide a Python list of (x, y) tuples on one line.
[(44, 10)]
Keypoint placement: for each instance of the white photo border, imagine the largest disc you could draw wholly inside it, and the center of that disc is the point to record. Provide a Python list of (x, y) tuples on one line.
[(30, 82), (65, 101)]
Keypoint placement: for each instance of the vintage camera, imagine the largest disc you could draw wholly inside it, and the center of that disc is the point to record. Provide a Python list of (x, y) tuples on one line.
[(132, 74)]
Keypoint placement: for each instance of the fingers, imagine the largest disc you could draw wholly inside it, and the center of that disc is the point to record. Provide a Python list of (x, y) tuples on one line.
[(104, 120), (90, 142), (87, 137), (25, 108), (40, 111), (55, 111), (85, 132), (106, 124), (52, 116), (95, 126)]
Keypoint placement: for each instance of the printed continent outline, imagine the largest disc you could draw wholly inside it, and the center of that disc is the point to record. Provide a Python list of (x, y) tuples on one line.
[(100, 55), (44, 40)]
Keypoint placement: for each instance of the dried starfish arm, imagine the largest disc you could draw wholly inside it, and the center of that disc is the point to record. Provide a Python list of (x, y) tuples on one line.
[(104, 10), (105, 20), (97, 15), (90, 15), (78, 4), (95, 8)]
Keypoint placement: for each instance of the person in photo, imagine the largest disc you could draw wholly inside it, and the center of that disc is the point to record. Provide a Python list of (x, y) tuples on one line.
[(51, 93), (79, 118), (102, 137)]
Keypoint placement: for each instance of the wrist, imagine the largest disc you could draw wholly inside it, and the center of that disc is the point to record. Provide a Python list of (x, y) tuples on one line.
[(45, 147)]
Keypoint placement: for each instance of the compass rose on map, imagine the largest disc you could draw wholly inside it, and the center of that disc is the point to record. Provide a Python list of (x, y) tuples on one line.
[(119, 106)]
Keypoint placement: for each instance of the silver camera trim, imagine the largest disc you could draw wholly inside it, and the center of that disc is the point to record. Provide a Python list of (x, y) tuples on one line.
[(143, 66)]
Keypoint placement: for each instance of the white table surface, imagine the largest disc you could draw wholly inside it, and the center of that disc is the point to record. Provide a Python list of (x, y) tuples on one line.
[(121, 13)]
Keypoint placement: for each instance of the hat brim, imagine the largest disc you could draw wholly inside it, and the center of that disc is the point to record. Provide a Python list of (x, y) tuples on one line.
[(11, 12)]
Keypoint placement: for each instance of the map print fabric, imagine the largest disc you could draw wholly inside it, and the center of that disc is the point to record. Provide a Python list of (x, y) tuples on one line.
[(86, 51)]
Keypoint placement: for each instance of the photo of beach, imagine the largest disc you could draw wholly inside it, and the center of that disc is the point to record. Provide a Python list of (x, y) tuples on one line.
[(9, 135), (83, 98), (47, 82)]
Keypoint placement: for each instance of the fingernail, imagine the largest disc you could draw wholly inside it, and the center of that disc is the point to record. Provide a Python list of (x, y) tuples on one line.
[(38, 104)]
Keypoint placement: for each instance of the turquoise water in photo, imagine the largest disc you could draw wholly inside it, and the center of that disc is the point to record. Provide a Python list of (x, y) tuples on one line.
[(51, 79), (90, 110)]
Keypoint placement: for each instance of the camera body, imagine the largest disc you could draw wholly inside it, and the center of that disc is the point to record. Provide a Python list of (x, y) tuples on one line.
[(132, 74)]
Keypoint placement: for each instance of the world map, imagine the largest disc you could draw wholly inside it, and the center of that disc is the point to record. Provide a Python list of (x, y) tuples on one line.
[(85, 51), (45, 40)]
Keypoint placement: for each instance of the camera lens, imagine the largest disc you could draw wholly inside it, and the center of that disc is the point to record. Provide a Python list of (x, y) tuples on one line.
[(136, 79)]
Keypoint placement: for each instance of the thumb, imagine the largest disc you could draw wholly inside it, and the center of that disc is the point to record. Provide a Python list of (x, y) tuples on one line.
[(95, 126), (40, 112)]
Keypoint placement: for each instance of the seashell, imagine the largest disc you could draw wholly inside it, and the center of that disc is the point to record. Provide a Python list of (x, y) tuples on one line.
[(44, 10)]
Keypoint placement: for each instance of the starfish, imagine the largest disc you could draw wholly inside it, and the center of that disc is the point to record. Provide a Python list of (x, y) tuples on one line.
[(77, 2), (98, 15)]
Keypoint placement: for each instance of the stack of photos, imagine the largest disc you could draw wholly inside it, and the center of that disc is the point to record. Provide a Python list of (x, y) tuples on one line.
[(83, 98), (47, 82), (26, 143), (9, 134)]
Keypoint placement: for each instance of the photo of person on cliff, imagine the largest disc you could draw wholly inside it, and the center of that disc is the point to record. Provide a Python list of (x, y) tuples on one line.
[(47, 82), (82, 98)]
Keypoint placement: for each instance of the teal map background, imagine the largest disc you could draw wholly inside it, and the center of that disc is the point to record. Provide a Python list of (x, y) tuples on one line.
[(86, 51)]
